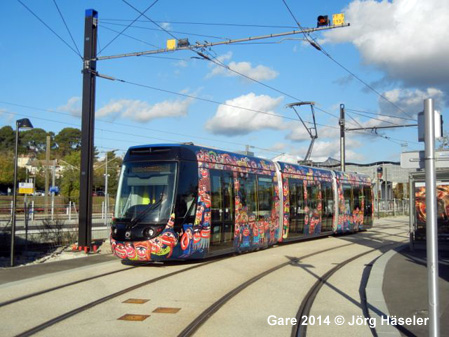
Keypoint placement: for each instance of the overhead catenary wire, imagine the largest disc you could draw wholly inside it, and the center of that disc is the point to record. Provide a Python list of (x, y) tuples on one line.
[(219, 103), (49, 28), (317, 46), (127, 125), (143, 14), (119, 34), (377, 119), (226, 66), (105, 24), (67, 27), (225, 24), (128, 36), (217, 62), (361, 113)]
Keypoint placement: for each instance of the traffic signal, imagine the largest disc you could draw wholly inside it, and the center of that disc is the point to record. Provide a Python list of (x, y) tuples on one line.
[(322, 20)]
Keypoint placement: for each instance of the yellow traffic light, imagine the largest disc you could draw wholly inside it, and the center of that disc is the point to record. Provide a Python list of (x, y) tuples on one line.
[(338, 19)]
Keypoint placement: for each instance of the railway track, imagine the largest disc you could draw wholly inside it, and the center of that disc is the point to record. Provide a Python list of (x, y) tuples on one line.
[(180, 276)]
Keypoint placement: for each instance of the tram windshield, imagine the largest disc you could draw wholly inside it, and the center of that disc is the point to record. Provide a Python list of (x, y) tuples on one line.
[(145, 192)]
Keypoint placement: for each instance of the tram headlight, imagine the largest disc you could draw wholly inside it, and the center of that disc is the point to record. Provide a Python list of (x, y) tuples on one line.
[(151, 232)]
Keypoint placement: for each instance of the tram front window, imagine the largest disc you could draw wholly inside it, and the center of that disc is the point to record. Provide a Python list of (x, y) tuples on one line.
[(145, 192)]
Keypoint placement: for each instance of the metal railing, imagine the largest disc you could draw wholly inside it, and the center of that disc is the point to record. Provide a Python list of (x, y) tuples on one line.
[(391, 207)]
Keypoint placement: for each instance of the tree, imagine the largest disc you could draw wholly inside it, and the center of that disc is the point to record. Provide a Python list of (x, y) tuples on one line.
[(34, 140), (6, 170), (68, 140), (70, 183), (7, 139)]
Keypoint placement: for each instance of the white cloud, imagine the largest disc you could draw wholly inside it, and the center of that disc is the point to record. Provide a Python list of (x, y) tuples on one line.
[(322, 150), (231, 120), (407, 39), (9, 117), (166, 25), (259, 73), (142, 111), (298, 133), (73, 106), (410, 101)]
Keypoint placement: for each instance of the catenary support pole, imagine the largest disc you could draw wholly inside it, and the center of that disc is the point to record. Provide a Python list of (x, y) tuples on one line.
[(342, 137), (431, 216), (87, 128)]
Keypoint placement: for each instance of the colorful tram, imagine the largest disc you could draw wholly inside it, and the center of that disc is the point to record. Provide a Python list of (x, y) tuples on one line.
[(189, 202)]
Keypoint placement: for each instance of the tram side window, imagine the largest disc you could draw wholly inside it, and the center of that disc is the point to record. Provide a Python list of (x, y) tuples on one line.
[(349, 201), (357, 195), (247, 193), (312, 196), (265, 196), (368, 212), (222, 197), (297, 207), (327, 206), (228, 196), (216, 196)]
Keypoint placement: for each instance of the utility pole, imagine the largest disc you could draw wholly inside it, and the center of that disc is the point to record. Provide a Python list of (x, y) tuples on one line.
[(87, 128), (47, 179), (431, 222), (106, 193), (342, 138)]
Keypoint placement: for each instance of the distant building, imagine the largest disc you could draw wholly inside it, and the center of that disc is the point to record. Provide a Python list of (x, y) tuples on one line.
[(35, 166), (386, 174)]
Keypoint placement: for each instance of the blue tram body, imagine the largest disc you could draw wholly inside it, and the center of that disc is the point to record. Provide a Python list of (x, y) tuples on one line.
[(186, 202)]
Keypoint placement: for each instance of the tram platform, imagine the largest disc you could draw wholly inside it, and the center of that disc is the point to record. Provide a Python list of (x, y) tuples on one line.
[(404, 288)]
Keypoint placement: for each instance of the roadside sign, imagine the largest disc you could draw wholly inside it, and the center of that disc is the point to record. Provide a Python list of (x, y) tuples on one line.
[(416, 159), (26, 188), (54, 189)]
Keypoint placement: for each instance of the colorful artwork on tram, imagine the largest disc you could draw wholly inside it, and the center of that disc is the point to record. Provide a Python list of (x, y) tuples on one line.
[(188, 202)]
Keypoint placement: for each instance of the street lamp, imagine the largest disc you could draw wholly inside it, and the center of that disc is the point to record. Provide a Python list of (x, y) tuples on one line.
[(20, 124)]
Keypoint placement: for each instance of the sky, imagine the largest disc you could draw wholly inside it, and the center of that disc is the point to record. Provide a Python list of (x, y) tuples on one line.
[(234, 96)]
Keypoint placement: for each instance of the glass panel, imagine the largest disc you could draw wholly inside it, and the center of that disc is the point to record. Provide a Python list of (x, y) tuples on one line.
[(187, 194), (347, 194), (247, 193), (216, 196), (328, 206), (228, 197), (357, 194), (368, 204), (145, 192), (222, 208), (265, 196), (297, 206)]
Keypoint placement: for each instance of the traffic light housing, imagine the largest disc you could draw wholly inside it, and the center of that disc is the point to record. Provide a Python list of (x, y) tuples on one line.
[(322, 20)]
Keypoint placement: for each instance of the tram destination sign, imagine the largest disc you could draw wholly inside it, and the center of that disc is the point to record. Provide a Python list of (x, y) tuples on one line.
[(416, 159)]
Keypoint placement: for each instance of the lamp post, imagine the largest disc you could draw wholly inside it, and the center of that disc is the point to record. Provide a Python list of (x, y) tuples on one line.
[(20, 124)]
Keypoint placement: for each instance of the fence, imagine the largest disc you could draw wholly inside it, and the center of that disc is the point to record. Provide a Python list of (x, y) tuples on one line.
[(392, 207), (36, 209)]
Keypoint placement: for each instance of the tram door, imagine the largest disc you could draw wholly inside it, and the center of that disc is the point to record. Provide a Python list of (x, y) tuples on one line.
[(368, 204), (222, 209), (297, 207), (327, 206)]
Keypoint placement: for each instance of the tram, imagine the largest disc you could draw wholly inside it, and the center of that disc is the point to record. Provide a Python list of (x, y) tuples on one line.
[(181, 201)]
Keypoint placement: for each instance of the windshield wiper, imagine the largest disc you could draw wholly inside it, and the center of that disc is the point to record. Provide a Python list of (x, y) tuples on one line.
[(140, 216)]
